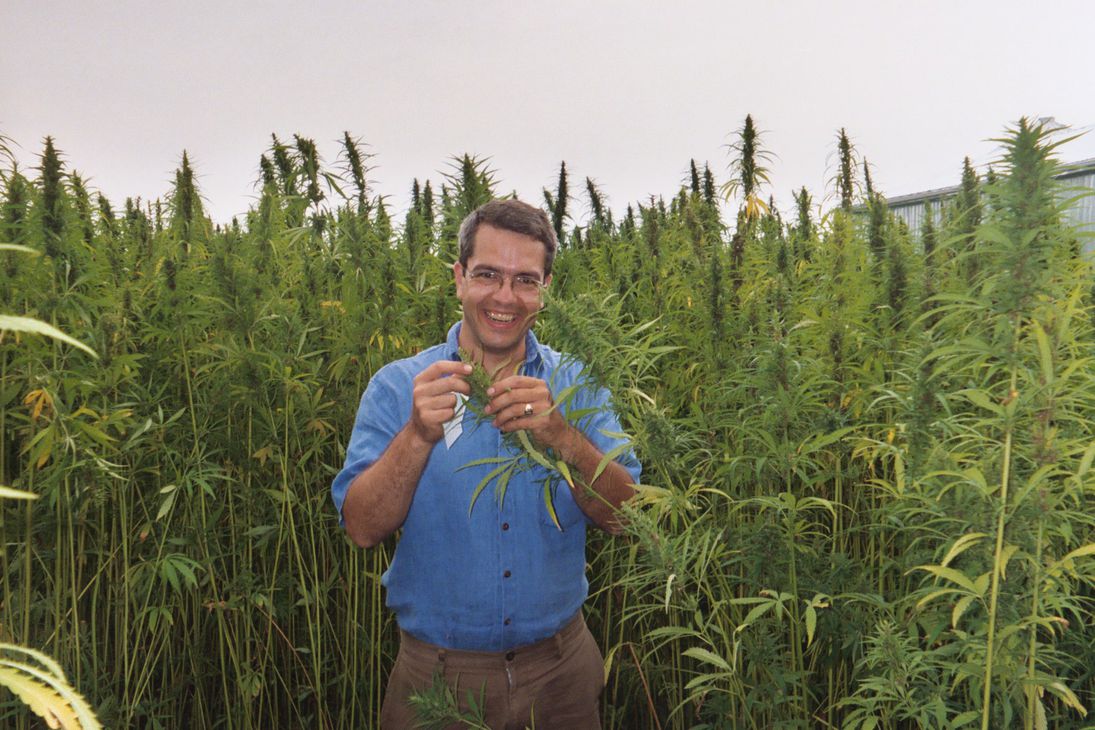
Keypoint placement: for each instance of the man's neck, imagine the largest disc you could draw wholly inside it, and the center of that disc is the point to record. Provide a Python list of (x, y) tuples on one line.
[(499, 365)]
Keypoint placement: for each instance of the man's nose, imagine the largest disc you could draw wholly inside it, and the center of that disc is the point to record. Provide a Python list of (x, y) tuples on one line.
[(506, 289)]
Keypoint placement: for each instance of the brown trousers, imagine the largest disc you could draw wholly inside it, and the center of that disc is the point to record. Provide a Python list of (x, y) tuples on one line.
[(554, 683)]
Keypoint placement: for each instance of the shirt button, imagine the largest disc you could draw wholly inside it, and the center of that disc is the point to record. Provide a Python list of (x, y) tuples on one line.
[(509, 656), (507, 622), (505, 525), (507, 574)]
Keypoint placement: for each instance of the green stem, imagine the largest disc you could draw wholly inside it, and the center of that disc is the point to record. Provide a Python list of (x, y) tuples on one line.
[(997, 556), (1032, 651)]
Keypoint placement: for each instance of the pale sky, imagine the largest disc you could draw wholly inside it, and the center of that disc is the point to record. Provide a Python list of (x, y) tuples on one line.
[(624, 92)]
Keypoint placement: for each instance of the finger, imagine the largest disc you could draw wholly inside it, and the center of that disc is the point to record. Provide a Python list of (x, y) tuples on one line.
[(514, 382), (435, 414), (449, 384), (518, 396), (532, 424), (438, 416), (517, 412), (441, 368), (442, 400), (435, 417)]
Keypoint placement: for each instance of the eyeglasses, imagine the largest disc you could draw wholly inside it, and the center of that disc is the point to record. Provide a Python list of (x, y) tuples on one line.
[(489, 279)]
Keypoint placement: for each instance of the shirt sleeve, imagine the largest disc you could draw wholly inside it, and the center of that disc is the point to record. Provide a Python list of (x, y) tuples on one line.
[(602, 426), (376, 424)]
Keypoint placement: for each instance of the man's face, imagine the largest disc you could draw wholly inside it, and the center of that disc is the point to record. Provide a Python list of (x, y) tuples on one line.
[(497, 317)]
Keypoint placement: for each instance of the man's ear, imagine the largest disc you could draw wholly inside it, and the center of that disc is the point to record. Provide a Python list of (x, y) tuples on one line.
[(458, 278), (547, 283)]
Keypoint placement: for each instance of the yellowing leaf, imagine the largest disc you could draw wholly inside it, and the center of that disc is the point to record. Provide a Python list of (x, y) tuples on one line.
[(42, 700), (9, 493), (811, 624), (40, 401), (961, 545), (43, 687)]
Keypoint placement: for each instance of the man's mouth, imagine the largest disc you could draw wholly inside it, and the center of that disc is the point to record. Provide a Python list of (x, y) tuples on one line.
[(501, 317)]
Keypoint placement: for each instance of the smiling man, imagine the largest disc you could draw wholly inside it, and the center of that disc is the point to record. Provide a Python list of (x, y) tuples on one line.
[(489, 601)]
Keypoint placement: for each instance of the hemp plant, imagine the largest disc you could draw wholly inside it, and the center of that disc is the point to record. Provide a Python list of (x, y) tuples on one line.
[(524, 454), (31, 675)]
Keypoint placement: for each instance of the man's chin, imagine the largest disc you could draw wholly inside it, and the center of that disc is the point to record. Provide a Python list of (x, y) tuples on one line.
[(504, 347)]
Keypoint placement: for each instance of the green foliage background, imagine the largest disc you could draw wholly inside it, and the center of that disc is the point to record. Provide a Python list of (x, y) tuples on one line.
[(867, 454)]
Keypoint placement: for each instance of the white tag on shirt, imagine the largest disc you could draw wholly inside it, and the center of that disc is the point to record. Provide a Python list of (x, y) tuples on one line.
[(455, 425)]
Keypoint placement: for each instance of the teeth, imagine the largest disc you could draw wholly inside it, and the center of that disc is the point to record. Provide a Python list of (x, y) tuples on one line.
[(499, 317)]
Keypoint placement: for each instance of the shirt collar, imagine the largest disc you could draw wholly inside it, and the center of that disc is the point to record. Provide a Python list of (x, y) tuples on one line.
[(534, 357)]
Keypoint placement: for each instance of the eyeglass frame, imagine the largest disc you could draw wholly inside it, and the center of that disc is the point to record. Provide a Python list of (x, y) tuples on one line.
[(485, 278)]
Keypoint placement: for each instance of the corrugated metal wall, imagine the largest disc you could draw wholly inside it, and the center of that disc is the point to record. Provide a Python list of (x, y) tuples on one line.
[(1081, 214), (913, 212)]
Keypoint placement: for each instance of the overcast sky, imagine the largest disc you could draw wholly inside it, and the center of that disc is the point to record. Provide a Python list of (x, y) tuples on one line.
[(625, 93)]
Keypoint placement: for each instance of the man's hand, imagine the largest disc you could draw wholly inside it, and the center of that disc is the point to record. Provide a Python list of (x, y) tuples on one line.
[(599, 499), (512, 398), (378, 498), (434, 399)]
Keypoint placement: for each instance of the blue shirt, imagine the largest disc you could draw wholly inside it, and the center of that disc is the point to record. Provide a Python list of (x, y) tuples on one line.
[(500, 576)]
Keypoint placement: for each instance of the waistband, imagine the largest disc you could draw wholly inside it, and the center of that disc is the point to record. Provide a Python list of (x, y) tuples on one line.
[(551, 647)]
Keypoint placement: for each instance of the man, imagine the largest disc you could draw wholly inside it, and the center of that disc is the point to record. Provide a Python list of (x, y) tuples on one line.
[(490, 600)]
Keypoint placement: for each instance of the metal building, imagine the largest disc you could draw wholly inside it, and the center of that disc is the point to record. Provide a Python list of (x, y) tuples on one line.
[(1078, 183)]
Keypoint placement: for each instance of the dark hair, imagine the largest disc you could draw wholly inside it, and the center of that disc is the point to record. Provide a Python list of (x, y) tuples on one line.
[(509, 215)]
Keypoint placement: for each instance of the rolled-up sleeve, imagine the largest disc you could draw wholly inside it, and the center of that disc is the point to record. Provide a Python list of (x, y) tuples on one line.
[(602, 426), (377, 423)]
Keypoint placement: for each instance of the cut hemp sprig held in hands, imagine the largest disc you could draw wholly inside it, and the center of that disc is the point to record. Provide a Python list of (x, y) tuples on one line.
[(527, 454)]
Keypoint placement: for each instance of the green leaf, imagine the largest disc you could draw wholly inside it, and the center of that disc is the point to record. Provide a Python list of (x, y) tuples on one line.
[(960, 608), (1040, 722), (936, 594), (563, 468), (532, 451), (33, 326), (965, 718), (95, 434), (1044, 355), (1079, 552), (1067, 696), (1085, 461), (981, 399), (17, 247), (503, 483), (1005, 555), (706, 655), (608, 459), (756, 612), (954, 576), (550, 504), (48, 663), (507, 464), (166, 506), (484, 462)]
